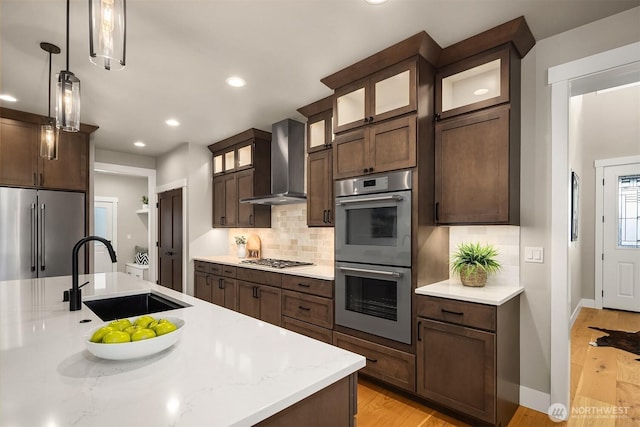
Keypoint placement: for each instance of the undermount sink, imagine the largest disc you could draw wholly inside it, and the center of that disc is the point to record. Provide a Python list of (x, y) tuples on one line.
[(132, 305)]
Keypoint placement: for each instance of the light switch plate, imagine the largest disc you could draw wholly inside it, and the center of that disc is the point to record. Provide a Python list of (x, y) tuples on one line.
[(533, 254)]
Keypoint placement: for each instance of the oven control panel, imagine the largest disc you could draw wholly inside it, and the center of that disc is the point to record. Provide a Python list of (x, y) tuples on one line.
[(382, 183)]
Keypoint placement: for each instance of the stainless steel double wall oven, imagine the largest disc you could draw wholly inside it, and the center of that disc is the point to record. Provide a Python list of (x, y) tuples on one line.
[(373, 254)]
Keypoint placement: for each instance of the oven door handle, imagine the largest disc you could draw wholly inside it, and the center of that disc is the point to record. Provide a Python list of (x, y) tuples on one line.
[(378, 272), (395, 197)]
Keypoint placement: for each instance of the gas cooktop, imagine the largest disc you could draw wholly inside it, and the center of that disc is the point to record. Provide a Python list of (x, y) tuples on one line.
[(275, 263)]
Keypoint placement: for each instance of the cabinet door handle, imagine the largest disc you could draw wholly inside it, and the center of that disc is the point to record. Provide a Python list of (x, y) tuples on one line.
[(304, 308), (365, 170), (366, 120), (250, 219), (371, 360), (324, 216), (35, 179), (256, 293), (436, 117), (223, 220), (41, 179), (437, 211), (370, 170), (457, 313), (221, 283), (419, 337), (329, 216), (370, 119), (304, 285)]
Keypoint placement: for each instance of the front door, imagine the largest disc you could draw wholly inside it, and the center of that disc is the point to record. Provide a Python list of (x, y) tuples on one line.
[(170, 239), (621, 238)]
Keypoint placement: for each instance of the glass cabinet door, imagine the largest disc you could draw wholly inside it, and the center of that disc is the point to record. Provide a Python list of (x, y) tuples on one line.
[(320, 131), (350, 107), (229, 161), (394, 91), (218, 164), (316, 134), (245, 156), (479, 82)]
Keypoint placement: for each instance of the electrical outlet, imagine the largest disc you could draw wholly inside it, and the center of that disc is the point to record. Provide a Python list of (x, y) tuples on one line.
[(533, 254)]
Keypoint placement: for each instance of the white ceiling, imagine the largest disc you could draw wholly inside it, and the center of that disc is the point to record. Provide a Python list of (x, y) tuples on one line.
[(179, 54)]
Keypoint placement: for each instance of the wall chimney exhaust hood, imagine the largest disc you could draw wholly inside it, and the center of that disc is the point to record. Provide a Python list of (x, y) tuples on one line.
[(287, 165)]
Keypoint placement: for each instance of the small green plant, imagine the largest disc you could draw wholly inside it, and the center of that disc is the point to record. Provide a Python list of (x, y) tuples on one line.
[(240, 240), (145, 200), (471, 257)]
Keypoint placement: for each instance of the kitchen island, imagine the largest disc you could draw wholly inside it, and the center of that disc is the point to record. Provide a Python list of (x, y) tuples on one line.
[(227, 369)]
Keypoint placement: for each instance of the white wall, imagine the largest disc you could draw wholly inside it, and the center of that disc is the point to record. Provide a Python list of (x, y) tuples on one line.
[(535, 204), (132, 227), (125, 159), (192, 163)]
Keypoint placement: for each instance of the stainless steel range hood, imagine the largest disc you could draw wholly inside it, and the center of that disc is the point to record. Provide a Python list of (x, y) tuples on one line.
[(287, 165)]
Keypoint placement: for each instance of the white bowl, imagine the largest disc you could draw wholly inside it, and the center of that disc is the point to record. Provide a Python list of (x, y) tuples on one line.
[(135, 349)]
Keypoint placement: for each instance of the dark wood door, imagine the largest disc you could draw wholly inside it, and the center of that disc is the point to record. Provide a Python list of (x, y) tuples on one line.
[(320, 189), (245, 190), (392, 144), (170, 239), (225, 200), (230, 293), (18, 153), (248, 302), (270, 304), (218, 201), (202, 286), (472, 168), (223, 291), (457, 368), (350, 154), (70, 170)]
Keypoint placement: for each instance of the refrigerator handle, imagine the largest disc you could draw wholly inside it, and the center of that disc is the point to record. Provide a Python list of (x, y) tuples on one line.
[(33, 236), (42, 233)]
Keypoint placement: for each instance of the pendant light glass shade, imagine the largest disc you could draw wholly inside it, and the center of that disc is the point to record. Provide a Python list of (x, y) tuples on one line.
[(49, 135), (68, 102), (107, 33)]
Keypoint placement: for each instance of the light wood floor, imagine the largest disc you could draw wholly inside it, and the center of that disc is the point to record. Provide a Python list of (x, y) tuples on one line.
[(601, 377)]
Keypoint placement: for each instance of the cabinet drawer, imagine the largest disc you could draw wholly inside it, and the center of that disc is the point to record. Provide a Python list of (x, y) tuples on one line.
[(321, 288), (223, 270), (261, 277), (304, 328), (464, 313), (387, 364), (309, 308), (201, 266)]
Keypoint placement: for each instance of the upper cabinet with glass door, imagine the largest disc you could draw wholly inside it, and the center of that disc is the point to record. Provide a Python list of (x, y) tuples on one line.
[(474, 83), (234, 159), (385, 94)]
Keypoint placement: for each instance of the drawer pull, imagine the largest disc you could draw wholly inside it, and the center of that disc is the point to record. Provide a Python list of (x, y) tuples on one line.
[(304, 308), (304, 285), (457, 313), (371, 360)]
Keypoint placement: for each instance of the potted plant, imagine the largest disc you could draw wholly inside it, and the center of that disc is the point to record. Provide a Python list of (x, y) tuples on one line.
[(241, 241), (473, 262), (145, 202)]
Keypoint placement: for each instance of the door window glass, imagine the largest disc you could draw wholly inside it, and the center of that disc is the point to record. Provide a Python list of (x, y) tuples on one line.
[(373, 297), (372, 226), (628, 213)]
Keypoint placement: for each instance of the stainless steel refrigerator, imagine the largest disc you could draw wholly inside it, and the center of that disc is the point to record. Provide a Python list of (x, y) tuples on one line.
[(38, 229)]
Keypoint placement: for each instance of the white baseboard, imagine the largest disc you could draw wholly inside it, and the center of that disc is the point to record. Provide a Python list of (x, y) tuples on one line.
[(584, 302), (534, 399)]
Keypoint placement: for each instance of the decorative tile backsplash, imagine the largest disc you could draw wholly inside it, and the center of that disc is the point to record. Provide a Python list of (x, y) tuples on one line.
[(290, 238), (506, 239)]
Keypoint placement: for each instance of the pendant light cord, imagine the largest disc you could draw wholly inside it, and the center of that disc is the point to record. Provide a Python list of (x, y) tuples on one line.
[(49, 105), (67, 36)]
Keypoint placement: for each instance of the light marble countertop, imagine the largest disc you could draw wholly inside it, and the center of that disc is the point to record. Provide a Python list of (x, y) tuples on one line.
[(313, 271), (489, 294), (228, 369)]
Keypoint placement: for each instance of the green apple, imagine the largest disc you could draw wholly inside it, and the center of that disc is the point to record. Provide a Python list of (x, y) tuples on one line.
[(165, 327), (131, 329), (143, 321), (143, 334), (100, 333), (116, 337), (120, 324)]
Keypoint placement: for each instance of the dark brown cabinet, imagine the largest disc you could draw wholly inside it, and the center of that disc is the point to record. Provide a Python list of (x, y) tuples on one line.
[(216, 283), (385, 94), (307, 306), (259, 294), (320, 200), (224, 292), (22, 166), (477, 169), (468, 357), (202, 285), (241, 169), (381, 147)]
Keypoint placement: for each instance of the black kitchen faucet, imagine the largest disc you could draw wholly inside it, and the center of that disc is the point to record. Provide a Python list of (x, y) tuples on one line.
[(75, 293)]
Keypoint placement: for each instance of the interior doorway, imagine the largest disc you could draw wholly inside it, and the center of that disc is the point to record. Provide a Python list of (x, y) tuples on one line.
[(170, 239), (105, 225)]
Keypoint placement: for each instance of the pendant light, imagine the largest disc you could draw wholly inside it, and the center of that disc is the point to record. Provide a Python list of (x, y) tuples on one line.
[(49, 133), (107, 33), (68, 95)]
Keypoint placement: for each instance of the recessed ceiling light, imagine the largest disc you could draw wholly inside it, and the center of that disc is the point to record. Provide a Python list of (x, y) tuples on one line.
[(139, 144), (375, 2), (236, 81), (7, 97), (482, 91), (173, 122)]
